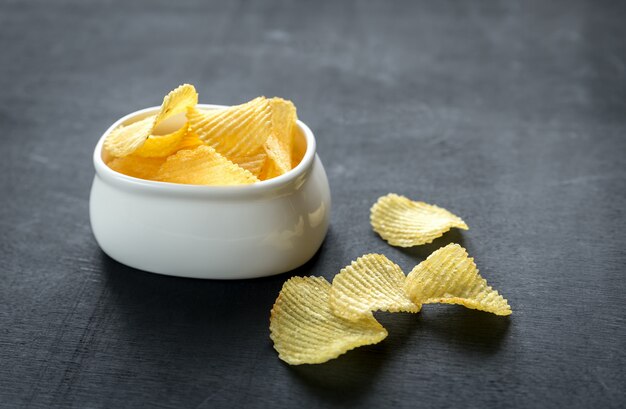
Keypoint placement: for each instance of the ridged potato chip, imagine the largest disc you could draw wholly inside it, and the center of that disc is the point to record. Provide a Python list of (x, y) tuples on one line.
[(189, 141), (450, 276), (159, 146), (177, 102), (405, 223), (236, 132), (203, 166), (371, 283), (279, 144), (253, 163), (138, 167), (305, 330), (125, 140), (269, 170)]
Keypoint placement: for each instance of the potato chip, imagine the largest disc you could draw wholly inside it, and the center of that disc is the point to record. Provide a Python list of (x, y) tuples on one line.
[(189, 141), (297, 151), (269, 170), (371, 283), (405, 223), (125, 140), (176, 102), (279, 144), (203, 166), (138, 167), (450, 276), (236, 132), (304, 329), (158, 146), (252, 163)]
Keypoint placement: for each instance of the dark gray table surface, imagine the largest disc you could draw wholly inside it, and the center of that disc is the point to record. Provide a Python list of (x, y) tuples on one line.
[(510, 114)]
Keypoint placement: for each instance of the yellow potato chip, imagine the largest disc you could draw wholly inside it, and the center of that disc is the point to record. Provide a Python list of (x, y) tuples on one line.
[(189, 141), (405, 223), (279, 144), (138, 167), (269, 170), (125, 140), (177, 101), (371, 283), (203, 166), (304, 329), (450, 276), (236, 132), (158, 146), (252, 163), (297, 151)]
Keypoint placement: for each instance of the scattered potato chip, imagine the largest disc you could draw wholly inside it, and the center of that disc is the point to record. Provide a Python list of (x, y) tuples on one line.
[(405, 223), (450, 276), (138, 167), (304, 329), (125, 140), (279, 144), (371, 283), (203, 166), (236, 132)]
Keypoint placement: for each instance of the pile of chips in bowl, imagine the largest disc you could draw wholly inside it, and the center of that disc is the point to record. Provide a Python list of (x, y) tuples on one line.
[(237, 145)]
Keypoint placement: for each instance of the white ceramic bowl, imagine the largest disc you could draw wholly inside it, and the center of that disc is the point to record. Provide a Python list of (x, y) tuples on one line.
[(220, 232)]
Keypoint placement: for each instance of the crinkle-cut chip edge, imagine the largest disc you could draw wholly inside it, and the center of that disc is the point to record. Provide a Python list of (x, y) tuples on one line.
[(223, 130), (126, 139), (251, 134), (280, 143), (252, 163), (295, 308), (471, 304), (350, 295), (135, 166), (276, 159), (389, 211), (177, 101), (457, 271), (206, 123), (184, 167)]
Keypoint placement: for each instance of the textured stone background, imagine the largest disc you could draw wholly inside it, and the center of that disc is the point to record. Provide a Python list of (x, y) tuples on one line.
[(510, 114)]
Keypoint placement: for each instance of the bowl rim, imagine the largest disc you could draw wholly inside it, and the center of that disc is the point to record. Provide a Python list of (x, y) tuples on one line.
[(121, 180)]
